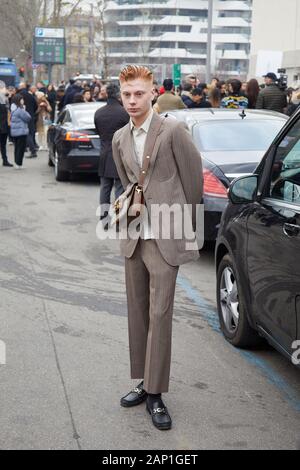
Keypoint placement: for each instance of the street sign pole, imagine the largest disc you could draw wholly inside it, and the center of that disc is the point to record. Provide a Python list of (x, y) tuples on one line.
[(34, 72), (177, 74), (50, 73)]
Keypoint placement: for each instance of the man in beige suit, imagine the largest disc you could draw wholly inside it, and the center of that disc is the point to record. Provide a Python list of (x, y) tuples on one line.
[(173, 178)]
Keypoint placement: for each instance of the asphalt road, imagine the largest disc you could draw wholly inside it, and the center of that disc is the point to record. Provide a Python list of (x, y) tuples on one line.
[(63, 321)]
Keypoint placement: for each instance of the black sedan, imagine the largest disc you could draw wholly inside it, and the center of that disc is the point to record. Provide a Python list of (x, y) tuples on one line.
[(231, 143), (74, 146), (258, 251)]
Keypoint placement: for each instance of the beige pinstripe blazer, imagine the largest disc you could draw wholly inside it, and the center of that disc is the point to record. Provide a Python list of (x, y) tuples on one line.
[(174, 177)]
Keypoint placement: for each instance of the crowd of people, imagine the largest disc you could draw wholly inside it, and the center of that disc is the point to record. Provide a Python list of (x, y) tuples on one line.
[(26, 112), (232, 94)]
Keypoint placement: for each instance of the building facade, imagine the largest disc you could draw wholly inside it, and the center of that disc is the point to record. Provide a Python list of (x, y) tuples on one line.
[(162, 33), (276, 39)]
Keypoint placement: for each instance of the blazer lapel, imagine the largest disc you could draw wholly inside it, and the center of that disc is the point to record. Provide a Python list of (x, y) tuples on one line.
[(129, 152), (152, 144), (151, 147)]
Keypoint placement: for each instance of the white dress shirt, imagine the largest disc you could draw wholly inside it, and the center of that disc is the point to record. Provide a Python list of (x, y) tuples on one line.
[(139, 135)]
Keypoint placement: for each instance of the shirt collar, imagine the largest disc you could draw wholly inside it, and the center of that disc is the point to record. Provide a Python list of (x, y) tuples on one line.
[(146, 124)]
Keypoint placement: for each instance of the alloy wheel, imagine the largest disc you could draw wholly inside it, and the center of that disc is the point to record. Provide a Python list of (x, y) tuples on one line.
[(229, 300), (56, 166)]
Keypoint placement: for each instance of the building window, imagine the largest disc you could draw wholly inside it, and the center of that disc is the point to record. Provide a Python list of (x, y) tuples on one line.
[(185, 29)]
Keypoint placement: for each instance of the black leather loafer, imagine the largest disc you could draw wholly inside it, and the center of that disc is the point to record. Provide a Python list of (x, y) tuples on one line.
[(160, 415), (135, 397)]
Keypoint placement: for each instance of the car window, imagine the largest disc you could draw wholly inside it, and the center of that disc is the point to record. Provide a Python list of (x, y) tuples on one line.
[(84, 117), (236, 135), (67, 118), (83, 114), (285, 174), (61, 118)]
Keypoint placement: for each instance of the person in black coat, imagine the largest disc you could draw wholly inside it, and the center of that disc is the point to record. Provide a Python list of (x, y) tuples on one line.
[(31, 107), (108, 120), (71, 92), (198, 99), (4, 129), (186, 91), (51, 97)]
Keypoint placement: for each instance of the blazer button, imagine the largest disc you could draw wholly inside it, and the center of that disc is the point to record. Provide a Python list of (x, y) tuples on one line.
[(148, 158)]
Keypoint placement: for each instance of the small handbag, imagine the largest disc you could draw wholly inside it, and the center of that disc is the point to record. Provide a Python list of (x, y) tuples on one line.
[(122, 204), (132, 201)]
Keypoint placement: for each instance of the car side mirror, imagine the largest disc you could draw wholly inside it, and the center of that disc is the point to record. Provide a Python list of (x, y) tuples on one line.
[(243, 190)]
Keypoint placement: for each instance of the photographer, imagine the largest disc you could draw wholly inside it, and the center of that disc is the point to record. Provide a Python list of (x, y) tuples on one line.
[(271, 97)]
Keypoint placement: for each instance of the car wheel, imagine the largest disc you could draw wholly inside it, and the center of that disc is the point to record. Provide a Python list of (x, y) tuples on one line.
[(59, 174), (231, 308), (51, 154), (50, 162)]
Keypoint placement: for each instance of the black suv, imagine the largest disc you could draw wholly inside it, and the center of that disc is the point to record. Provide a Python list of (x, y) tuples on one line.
[(258, 251)]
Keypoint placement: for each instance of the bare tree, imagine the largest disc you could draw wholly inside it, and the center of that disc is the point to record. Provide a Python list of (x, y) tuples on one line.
[(100, 36), (148, 21), (60, 11), (20, 17)]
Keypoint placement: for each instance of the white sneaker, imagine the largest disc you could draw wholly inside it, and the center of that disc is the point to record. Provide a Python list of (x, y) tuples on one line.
[(18, 167)]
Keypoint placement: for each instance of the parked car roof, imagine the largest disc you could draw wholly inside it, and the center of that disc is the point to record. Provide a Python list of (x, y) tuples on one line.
[(214, 114), (92, 104), (82, 114)]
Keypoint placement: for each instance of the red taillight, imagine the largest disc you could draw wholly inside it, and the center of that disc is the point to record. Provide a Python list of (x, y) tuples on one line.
[(212, 186), (77, 137)]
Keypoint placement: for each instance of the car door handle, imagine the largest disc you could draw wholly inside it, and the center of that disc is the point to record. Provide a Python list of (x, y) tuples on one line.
[(291, 230)]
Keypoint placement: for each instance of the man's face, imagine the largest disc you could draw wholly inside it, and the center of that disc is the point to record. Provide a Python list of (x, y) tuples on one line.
[(192, 81), (103, 92), (137, 96), (244, 87), (268, 81), (196, 98)]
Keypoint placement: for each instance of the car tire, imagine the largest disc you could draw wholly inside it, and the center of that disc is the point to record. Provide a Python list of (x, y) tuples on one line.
[(59, 174), (50, 162), (51, 156), (231, 308)]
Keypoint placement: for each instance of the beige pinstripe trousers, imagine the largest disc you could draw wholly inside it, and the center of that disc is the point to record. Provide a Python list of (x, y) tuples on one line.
[(150, 284)]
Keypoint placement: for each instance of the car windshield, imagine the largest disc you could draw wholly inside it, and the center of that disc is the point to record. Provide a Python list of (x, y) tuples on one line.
[(236, 135), (85, 117)]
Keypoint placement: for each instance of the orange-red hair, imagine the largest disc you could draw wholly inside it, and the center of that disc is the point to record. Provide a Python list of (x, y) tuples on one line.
[(133, 72)]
